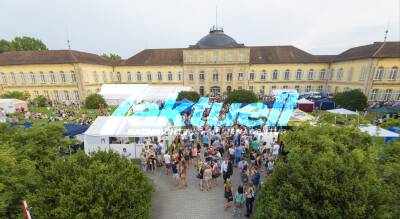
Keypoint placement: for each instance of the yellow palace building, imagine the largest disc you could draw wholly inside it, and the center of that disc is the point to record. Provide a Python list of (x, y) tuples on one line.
[(215, 65)]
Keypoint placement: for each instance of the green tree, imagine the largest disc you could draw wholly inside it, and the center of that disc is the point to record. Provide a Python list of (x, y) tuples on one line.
[(104, 185), (330, 172), (15, 95), (190, 95), (5, 46), (40, 101), (25, 43), (241, 96), (111, 56), (93, 101), (390, 123), (352, 100)]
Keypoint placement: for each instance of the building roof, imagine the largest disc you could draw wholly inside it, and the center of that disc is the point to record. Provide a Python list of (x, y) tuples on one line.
[(155, 57), (51, 57), (283, 54), (375, 50), (216, 39)]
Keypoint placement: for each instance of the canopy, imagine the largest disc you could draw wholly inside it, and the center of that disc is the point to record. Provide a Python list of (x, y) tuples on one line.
[(324, 104), (385, 110), (132, 126), (9, 106), (279, 91), (74, 129), (299, 117), (373, 130), (342, 111), (304, 101)]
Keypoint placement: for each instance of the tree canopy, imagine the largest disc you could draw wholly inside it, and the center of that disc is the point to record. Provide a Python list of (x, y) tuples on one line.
[(15, 95), (23, 43), (330, 172), (190, 95), (352, 100), (40, 101), (241, 96), (111, 56), (93, 101)]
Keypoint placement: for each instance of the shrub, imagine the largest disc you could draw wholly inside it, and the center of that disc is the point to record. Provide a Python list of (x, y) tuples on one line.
[(40, 101), (190, 95), (93, 101), (15, 95), (352, 100), (241, 96)]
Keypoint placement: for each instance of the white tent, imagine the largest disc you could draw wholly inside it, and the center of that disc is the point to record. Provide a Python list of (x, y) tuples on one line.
[(342, 111), (279, 91), (9, 106), (101, 133), (304, 101), (373, 130), (115, 94)]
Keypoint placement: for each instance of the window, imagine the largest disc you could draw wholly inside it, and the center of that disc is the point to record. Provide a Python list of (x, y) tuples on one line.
[(169, 76), (339, 74), (299, 74), (138, 76), (262, 90), (387, 95), (275, 74), (191, 76), (297, 87), (66, 95), (179, 76), (350, 76), (215, 56), (111, 76), (215, 75), (95, 77), (229, 57), (241, 57), (331, 73), (201, 91), (13, 78), (393, 73), (322, 74), (62, 76), (374, 94), (273, 87), (42, 78), (201, 58), (310, 75), (201, 77), (149, 76), (287, 75), (263, 75), (73, 76), (46, 94), (33, 78), (229, 77), (379, 73), (363, 73), (128, 76), (285, 87), (159, 76), (3, 78), (252, 75), (56, 96), (76, 94), (35, 93), (308, 88), (22, 76), (105, 76), (240, 76), (189, 58), (319, 89), (119, 76)]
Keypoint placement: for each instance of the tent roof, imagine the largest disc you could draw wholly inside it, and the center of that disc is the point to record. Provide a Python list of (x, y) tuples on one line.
[(342, 111), (74, 129), (300, 116), (279, 91), (11, 100), (377, 131), (132, 126), (304, 101)]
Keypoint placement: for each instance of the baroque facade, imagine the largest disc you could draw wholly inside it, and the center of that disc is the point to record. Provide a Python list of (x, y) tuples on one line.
[(215, 65)]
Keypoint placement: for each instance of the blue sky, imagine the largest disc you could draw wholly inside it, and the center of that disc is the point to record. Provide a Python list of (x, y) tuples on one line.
[(126, 27)]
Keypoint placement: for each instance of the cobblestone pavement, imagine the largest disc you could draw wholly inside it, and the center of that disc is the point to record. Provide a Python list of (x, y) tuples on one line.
[(169, 202)]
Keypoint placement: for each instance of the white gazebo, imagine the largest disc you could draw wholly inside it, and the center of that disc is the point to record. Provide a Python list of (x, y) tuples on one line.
[(133, 133), (376, 131), (343, 111)]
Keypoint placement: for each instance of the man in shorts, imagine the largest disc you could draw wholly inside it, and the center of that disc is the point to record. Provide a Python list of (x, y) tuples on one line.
[(175, 173)]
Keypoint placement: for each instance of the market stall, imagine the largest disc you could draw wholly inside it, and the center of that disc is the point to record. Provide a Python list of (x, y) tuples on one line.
[(305, 105)]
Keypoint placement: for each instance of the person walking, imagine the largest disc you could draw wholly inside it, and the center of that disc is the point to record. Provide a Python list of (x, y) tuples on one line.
[(167, 161), (250, 194), (239, 201), (228, 195), (207, 177), (182, 174)]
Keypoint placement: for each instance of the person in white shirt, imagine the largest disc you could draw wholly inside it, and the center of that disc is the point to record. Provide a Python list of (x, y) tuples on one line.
[(275, 151), (167, 161), (125, 154)]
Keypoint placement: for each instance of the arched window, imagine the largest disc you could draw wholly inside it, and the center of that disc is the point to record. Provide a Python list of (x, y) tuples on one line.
[(229, 77), (119, 76), (22, 76), (13, 78), (322, 74), (170, 76), (201, 77), (149, 76), (128, 76), (33, 78), (339, 74), (62, 76), (287, 74), (138, 76), (3, 78), (73, 76), (104, 76), (215, 75), (42, 78), (252, 75), (393, 73), (201, 91), (159, 76), (379, 73), (299, 74), (310, 75), (275, 75), (387, 95), (95, 77), (263, 75), (374, 94), (179, 76)]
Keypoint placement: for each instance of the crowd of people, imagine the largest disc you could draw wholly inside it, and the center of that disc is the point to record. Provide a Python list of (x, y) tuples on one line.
[(216, 153)]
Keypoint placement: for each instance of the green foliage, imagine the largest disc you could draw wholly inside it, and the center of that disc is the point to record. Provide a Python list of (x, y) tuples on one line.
[(352, 100), (241, 96), (15, 95), (190, 95), (5, 46), (25, 43), (93, 101), (111, 56), (40, 101), (330, 172), (390, 123), (104, 185)]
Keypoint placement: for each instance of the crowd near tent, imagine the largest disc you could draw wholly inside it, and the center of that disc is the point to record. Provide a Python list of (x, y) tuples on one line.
[(305, 105), (115, 94), (9, 106), (130, 132)]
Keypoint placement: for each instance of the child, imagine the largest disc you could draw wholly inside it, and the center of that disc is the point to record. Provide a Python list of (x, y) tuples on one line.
[(238, 202)]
